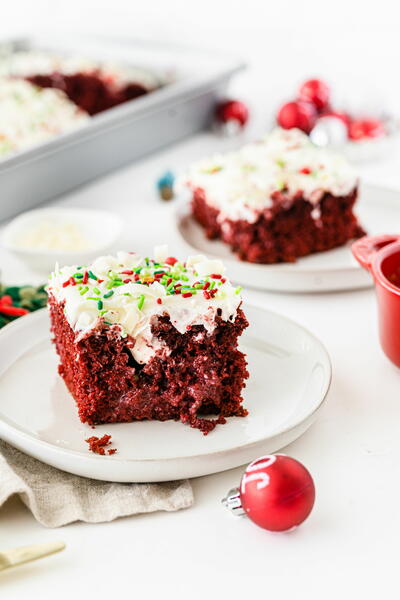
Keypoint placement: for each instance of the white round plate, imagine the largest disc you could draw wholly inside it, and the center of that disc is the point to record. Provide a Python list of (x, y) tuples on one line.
[(379, 212), (290, 374)]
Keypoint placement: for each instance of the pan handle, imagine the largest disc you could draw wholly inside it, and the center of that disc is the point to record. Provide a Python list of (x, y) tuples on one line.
[(366, 248)]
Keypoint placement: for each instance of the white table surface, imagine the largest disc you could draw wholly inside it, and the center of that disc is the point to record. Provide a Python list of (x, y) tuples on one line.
[(348, 546)]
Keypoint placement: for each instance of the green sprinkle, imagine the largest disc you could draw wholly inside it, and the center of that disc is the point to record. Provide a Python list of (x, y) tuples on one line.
[(147, 261), (109, 294), (140, 302), (212, 170), (78, 275), (115, 276), (126, 294), (92, 298), (212, 284), (103, 312), (198, 286), (96, 290), (100, 304), (184, 278), (170, 286), (84, 290), (280, 162), (137, 270), (92, 275), (157, 272), (107, 323), (238, 290)]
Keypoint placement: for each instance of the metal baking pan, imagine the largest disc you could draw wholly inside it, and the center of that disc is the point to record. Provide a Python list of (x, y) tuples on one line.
[(121, 134)]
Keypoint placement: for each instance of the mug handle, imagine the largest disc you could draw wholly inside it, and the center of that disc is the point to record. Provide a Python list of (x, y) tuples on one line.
[(366, 247)]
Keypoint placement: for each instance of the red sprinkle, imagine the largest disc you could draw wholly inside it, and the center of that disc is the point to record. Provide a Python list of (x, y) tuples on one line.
[(72, 281), (66, 283), (100, 280), (305, 171), (85, 277), (187, 295), (169, 281), (206, 285), (6, 300), (216, 276), (206, 295), (127, 272), (127, 280), (223, 279), (159, 301), (13, 311), (112, 451), (171, 260), (136, 277)]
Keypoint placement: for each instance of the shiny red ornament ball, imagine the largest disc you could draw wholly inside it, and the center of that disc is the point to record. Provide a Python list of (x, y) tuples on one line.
[(366, 128), (297, 114), (277, 492), (316, 92), (232, 110)]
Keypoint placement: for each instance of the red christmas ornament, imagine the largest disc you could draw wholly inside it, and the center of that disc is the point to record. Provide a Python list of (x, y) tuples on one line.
[(232, 110), (316, 92), (297, 114), (366, 128), (276, 492)]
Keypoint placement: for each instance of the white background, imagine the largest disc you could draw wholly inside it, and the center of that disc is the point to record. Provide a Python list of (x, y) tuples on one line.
[(348, 547)]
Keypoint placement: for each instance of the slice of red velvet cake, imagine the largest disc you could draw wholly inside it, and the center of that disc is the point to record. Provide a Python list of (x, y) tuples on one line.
[(277, 199), (142, 338)]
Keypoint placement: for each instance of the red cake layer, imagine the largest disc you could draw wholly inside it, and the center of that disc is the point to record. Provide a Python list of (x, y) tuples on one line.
[(90, 91), (286, 231), (203, 374)]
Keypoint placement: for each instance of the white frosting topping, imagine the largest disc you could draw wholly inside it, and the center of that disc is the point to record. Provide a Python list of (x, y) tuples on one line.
[(240, 184), (29, 115), (132, 300)]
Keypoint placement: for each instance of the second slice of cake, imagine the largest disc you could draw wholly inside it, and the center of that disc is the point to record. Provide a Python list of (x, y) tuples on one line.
[(142, 338), (276, 200)]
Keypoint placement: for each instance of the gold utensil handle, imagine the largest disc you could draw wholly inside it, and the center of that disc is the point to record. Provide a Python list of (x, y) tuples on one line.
[(18, 556)]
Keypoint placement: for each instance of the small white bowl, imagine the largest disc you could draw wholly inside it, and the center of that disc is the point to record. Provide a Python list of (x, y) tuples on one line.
[(101, 229)]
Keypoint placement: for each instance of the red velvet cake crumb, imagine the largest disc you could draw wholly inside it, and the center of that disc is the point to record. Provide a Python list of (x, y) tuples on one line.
[(97, 444)]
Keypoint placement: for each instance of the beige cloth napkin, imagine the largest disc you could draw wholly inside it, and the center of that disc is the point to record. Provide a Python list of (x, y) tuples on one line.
[(56, 498)]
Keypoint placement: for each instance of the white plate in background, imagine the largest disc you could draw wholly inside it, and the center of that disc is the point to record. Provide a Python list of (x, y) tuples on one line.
[(290, 374), (378, 210)]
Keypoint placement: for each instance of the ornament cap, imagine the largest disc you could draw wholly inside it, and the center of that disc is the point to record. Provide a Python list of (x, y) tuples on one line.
[(233, 502)]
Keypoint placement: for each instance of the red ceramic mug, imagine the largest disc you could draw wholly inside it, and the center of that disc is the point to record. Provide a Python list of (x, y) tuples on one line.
[(380, 255)]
